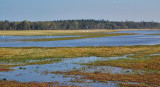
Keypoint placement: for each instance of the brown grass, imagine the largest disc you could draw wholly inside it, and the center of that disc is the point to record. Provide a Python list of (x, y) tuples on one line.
[(133, 85), (70, 52), (29, 84), (4, 69), (61, 32), (148, 64), (150, 79), (22, 54), (50, 32)]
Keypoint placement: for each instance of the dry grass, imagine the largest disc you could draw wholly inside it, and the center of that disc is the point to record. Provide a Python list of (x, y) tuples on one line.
[(80, 33), (30, 84), (50, 32), (2, 69), (133, 85), (61, 32)]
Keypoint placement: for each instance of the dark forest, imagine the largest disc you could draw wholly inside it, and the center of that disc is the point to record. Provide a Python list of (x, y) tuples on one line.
[(76, 25)]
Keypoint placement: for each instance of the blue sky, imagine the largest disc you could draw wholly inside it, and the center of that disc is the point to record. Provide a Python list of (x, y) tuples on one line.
[(48, 10)]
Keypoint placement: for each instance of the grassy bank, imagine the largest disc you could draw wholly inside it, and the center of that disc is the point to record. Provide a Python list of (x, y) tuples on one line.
[(79, 34), (50, 32), (9, 54), (60, 32)]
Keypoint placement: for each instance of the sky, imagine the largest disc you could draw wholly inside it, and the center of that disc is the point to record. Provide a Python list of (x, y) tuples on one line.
[(49, 10)]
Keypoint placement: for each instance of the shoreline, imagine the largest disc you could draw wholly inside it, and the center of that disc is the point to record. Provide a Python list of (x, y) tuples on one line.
[(61, 32)]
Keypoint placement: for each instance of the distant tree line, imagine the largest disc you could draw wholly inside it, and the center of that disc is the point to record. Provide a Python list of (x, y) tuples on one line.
[(76, 24)]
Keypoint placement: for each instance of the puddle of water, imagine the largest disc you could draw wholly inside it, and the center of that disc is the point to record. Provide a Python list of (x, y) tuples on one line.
[(41, 73)]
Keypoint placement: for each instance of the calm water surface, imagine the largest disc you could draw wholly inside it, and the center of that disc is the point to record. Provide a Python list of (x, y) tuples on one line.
[(141, 31), (127, 40)]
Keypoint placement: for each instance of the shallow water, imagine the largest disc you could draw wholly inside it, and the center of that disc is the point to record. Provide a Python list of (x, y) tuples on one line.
[(16, 38), (141, 31), (41, 73), (126, 40)]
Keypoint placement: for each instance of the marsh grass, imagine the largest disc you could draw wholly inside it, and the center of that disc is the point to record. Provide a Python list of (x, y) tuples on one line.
[(79, 34), (29, 84), (50, 32), (60, 32), (154, 34), (105, 77), (147, 65), (4, 69), (142, 54), (133, 85), (43, 62), (36, 53), (19, 56), (142, 59)]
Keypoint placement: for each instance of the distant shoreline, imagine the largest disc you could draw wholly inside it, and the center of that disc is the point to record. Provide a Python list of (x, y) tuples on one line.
[(62, 32), (134, 29), (87, 30)]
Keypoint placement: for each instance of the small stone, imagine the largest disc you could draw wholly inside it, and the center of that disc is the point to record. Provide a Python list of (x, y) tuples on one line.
[(4, 79), (20, 68)]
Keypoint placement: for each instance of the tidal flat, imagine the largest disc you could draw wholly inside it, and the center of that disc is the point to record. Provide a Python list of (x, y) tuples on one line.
[(81, 66), (94, 58)]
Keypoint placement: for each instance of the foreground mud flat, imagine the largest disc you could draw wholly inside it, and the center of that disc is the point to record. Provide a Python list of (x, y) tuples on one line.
[(44, 73), (104, 66), (89, 71)]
